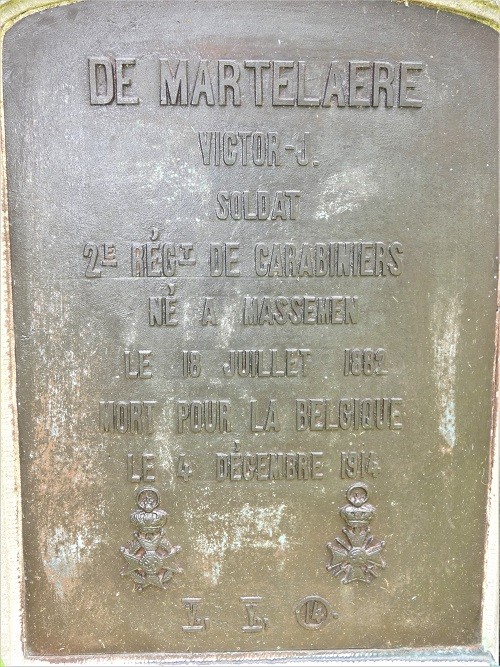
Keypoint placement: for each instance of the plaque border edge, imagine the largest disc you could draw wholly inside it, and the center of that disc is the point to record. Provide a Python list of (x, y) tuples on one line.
[(483, 11)]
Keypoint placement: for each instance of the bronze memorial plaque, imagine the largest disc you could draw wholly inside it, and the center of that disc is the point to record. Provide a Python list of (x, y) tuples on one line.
[(253, 266)]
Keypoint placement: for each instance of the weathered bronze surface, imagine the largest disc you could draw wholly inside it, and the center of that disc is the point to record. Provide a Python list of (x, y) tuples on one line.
[(254, 271)]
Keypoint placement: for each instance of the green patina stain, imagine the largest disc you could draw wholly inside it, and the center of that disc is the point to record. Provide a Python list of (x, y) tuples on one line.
[(484, 11), (14, 10)]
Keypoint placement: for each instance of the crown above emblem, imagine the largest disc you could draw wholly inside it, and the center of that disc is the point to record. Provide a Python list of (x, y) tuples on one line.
[(148, 518), (359, 512)]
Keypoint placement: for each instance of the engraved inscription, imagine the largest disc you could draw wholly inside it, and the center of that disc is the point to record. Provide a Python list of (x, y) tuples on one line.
[(126, 416), (300, 310), (224, 260), (259, 205), (99, 255), (195, 623), (255, 623), (267, 363), (140, 469), (267, 419), (313, 613), (359, 464), (348, 414), (280, 83), (340, 259), (268, 466), (110, 80), (191, 363), (242, 148), (137, 364), (208, 416), (158, 259), (162, 310), (184, 467), (366, 361)]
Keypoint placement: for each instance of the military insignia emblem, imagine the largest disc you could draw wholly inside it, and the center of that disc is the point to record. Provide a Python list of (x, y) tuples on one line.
[(149, 555), (357, 555)]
